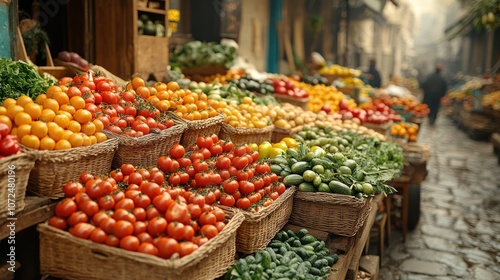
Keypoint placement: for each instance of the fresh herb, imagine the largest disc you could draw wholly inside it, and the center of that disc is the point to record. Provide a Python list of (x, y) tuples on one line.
[(196, 53)]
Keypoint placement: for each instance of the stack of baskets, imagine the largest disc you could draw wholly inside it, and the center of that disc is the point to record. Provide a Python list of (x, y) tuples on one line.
[(246, 135), (199, 128)]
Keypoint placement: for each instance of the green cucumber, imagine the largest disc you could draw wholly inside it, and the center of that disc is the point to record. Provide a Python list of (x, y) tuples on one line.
[(293, 180), (306, 187), (339, 187), (300, 167)]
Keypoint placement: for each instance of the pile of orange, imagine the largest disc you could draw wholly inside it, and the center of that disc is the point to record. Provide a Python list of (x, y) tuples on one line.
[(405, 130), (53, 121)]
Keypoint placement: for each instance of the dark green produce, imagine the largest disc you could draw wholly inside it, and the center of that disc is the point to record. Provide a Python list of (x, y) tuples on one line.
[(253, 85), (314, 80), (196, 53)]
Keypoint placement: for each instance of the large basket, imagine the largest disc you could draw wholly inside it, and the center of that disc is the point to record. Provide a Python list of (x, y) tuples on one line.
[(246, 135), (14, 174), (334, 213), (199, 128), (55, 168), (280, 133), (147, 149), (299, 102), (96, 261), (259, 228)]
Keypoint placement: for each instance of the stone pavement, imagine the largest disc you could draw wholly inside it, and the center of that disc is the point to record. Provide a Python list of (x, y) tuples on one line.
[(458, 234)]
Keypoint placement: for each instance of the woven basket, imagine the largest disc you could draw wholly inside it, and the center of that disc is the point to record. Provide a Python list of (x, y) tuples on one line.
[(259, 228), (199, 128), (55, 168), (299, 102), (97, 261), (19, 167), (246, 135), (145, 150), (280, 133), (334, 213)]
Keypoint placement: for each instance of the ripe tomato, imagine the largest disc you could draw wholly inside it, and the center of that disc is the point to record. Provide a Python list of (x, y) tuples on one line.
[(281, 188), (58, 222), (174, 179), (223, 162), (65, 208), (267, 180), (128, 96), (220, 215), (194, 210), (204, 142), (209, 231), (89, 207), (123, 228), (240, 162), (207, 218), (108, 225), (220, 226), (70, 189), (112, 241), (145, 237), (254, 198), (139, 227), (175, 212), (100, 216), (148, 248), (142, 200), (162, 202), (210, 198), (151, 189), (196, 155), (158, 177), (151, 213), (177, 151), (82, 230), (106, 202), (188, 232), (246, 187), (216, 149), (186, 248), (85, 177), (263, 168), (117, 195), (227, 200), (130, 243), (77, 217), (200, 166), (176, 230), (167, 247), (103, 86), (98, 236), (157, 226), (126, 203), (139, 213), (206, 153), (127, 169), (93, 189), (243, 203), (125, 215), (240, 151), (274, 195)]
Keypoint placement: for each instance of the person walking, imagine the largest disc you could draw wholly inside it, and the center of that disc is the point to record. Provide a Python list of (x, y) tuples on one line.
[(434, 89), (374, 79)]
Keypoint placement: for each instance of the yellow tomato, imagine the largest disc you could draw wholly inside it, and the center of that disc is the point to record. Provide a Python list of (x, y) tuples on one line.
[(275, 152), (290, 142), (281, 145)]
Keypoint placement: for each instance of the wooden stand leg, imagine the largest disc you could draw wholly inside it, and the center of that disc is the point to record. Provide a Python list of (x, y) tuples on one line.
[(404, 211)]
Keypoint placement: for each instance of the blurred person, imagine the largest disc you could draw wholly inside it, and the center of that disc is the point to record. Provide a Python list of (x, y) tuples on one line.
[(434, 89), (374, 79)]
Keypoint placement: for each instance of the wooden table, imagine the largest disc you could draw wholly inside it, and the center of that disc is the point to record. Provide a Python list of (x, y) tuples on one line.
[(402, 184)]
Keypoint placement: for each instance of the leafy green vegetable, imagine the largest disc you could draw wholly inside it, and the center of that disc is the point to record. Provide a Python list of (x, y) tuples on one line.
[(18, 78), (196, 53)]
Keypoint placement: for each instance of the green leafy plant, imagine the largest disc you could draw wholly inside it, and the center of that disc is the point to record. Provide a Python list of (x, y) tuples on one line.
[(198, 53), (486, 14)]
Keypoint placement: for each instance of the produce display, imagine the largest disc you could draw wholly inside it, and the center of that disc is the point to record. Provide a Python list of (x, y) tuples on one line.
[(74, 59), (338, 70), (8, 143), (314, 79), (196, 53), (248, 83), (246, 115), (146, 26), (290, 255), (129, 208), (492, 100), (289, 88), (405, 130), (18, 78), (230, 93), (323, 97), (406, 104)]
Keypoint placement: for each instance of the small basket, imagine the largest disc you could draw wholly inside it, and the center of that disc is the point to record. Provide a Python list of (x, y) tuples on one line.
[(280, 133), (202, 127), (299, 102), (14, 174), (246, 135), (334, 213), (383, 128), (145, 150), (95, 261), (259, 228), (55, 168)]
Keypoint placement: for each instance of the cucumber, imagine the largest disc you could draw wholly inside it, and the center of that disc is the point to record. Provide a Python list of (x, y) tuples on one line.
[(284, 173), (325, 270), (307, 187), (320, 263), (250, 259), (300, 167), (324, 188), (345, 170), (331, 260), (339, 187), (293, 180), (309, 176), (279, 160), (276, 169), (271, 253), (315, 271), (266, 259), (301, 233), (308, 239)]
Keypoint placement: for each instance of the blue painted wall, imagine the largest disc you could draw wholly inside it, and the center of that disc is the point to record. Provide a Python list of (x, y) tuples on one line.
[(4, 31), (273, 53)]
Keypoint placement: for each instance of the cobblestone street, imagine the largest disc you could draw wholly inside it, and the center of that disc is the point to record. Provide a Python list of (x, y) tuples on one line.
[(457, 236)]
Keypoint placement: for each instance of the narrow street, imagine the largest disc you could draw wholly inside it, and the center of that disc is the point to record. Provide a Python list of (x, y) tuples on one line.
[(457, 235)]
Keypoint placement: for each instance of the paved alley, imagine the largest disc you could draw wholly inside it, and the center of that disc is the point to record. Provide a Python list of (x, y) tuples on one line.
[(458, 235)]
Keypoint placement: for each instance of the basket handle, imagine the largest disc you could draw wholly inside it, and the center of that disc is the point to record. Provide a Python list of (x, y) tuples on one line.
[(100, 254)]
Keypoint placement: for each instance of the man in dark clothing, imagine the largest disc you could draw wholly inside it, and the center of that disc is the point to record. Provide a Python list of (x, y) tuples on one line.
[(374, 79), (434, 89)]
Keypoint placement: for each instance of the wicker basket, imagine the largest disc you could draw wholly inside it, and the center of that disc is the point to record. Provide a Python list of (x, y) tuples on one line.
[(259, 228), (96, 261), (202, 127), (280, 133), (55, 168), (383, 128), (299, 102), (246, 135), (334, 213), (15, 167), (147, 149)]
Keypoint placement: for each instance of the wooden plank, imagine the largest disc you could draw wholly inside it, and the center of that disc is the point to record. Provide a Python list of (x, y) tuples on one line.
[(33, 216), (339, 269), (370, 264)]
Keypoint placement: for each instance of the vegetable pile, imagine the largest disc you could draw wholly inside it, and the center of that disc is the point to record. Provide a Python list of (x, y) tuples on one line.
[(289, 255), (18, 78), (8, 143), (196, 53)]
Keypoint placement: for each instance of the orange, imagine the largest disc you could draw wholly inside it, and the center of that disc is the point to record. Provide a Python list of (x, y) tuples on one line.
[(86, 140), (137, 82), (62, 120), (93, 139), (31, 141), (204, 114), (143, 92), (61, 112), (6, 120), (47, 115), (61, 98), (67, 134), (76, 140), (163, 105), (39, 129), (129, 86), (23, 100), (62, 145), (22, 118), (64, 88), (68, 108), (152, 91), (33, 109), (159, 86), (51, 104), (3, 110), (9, 101), (78, 102), (23, 130), (52, 90), (101, 137), (12, 110), (163, 95), (47, 143), (99, 126), (39, 99), (83, 116), (14, 131), (153, 99), (56, 133), (88, 128), (74, 126), (173, 86)]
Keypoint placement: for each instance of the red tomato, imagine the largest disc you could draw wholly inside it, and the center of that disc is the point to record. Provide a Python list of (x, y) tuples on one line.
[(209, 231), (175, 212), (77, 217), (227, 200), (65, 208), (70, 189), (82, 230), (240, 151), (139, 213), (126, 203), (130, 243), (207, 218), (59, 223), (123, 228), (228, 146), (246, 187), (200, 166), (145, 237), (220, 215), (240, 162), (210, 198), (151, 189), (188, 233), (223, 163), (151, 213), (167, 247), (194, 210), (89, 207), (148, 248), (124, 215), (162, 202), (243, 203), (100, 216), (98, 236), (157, 226), (206, 153), (127, 169), (176, 230), (216, 149), (142, 200), (112, 241), (204, 142)]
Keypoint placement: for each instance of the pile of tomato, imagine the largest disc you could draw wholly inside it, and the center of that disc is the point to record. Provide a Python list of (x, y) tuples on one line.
[(8, 143), (287, 87), (222, 172)]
